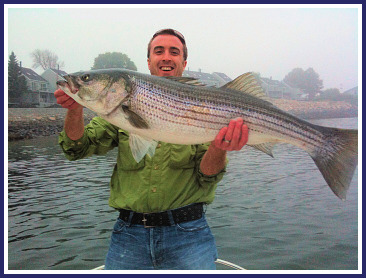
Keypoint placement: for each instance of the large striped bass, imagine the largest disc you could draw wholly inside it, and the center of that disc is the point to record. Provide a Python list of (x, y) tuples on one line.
[(179, 110)]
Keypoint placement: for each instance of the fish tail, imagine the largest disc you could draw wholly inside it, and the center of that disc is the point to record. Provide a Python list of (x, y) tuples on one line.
[(337, 158)]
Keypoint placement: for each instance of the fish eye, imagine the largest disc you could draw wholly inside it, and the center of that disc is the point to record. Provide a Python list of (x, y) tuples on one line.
[(85, 77)]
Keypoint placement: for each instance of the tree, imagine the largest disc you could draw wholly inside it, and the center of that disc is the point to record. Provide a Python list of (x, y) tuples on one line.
[(308, 81), (113, 60), (17, 84), (46, 59), (334, 94)]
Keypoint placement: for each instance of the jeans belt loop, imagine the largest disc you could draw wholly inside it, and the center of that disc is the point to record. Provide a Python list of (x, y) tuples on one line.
[(171, 218), (130, 219)]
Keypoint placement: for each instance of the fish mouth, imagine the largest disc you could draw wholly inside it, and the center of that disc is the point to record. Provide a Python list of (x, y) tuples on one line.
[(69, 83)]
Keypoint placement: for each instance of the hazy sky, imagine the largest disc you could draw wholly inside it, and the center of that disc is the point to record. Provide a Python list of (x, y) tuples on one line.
[(229, 39)]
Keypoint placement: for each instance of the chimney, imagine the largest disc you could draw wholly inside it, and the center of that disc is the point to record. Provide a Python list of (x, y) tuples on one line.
[(20, 64), (199, 70)]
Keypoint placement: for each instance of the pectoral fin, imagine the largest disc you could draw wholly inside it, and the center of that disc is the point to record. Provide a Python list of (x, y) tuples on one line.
[(141, 146), (134, 119)]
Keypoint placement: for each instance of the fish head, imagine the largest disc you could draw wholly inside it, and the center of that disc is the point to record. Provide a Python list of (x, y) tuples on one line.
[(100, 90)]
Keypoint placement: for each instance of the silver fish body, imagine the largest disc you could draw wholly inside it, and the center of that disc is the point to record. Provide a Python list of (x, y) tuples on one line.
[(178, 110)]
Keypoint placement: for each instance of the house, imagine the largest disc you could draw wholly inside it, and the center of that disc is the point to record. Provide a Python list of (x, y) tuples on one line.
[(222, 77), (280, 89), (39, 94), (215, 79), (53, 75), (353, 91)]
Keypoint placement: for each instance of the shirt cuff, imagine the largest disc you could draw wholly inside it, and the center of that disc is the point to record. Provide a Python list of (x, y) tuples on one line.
[(72, 144)]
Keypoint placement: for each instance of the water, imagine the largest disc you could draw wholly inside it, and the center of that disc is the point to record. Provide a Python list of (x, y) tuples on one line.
[(269, 214)]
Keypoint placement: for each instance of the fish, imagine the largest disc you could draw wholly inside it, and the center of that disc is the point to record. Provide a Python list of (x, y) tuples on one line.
[(181, 110)]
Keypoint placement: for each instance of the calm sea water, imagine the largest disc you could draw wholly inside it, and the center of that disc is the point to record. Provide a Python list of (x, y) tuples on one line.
[(269, 214)]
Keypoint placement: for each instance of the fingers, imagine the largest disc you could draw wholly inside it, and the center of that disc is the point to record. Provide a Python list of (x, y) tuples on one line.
[(59, 93), (65, 100), (233, 137)]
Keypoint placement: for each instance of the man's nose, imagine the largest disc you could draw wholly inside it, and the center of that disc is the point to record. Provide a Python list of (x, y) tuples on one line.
[(166, 56)]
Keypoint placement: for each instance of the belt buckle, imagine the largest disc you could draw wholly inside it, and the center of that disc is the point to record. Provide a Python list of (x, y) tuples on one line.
[(145, 220)]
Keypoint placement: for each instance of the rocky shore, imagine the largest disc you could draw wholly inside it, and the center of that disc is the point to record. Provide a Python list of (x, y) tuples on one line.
[(27, 123)]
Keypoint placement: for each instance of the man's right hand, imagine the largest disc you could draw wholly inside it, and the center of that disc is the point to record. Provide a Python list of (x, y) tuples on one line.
[(65, 101)]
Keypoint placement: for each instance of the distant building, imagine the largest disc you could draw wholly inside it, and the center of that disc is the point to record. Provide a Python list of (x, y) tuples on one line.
[(280, 89), (216, 79), (39, 94), (53, 75), (272, 88), (353, 91)]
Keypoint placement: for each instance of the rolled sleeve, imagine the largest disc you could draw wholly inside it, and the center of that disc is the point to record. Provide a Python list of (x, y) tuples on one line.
[(207, 180), (99, 137)]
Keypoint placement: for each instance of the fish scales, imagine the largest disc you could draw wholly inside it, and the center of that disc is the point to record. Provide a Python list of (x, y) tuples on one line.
[(170, 104)]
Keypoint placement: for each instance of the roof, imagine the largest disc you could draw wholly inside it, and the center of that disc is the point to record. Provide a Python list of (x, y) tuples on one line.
[(199, 75), (354, 91), (59, 72), (271, 81), (223, 76), (31, 74)]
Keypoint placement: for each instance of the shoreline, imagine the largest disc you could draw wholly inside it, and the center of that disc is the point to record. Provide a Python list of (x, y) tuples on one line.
[(29, 123)]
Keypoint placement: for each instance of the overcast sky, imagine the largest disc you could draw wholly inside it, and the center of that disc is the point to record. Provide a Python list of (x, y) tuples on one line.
[(269, 40)]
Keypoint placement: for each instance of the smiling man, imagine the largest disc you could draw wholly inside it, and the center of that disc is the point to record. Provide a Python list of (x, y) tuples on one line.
[(161, 223), (167, 55)]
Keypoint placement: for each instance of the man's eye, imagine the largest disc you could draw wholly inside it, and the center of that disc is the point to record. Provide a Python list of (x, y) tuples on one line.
[(85, 77)]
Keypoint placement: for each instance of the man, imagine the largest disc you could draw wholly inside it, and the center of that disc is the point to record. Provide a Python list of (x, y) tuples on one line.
[(161, 224)]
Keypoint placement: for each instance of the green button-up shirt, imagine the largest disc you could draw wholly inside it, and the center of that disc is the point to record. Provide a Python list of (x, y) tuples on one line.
[(168, 180)]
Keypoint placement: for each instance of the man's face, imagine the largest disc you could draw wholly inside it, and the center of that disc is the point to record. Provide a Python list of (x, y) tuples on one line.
[(166, 56)]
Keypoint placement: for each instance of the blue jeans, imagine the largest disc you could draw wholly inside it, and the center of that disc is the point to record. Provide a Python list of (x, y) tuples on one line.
[(183, 246)]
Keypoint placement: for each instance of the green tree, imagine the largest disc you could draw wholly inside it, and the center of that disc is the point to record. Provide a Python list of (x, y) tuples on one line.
[(308, 81), (17, 84), (113, 60)]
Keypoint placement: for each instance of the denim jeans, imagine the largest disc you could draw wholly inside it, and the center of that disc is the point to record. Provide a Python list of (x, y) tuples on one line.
[(183, 246)]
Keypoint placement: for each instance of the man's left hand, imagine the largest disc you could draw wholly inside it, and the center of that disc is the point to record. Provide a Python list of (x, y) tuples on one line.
[(233, 137)]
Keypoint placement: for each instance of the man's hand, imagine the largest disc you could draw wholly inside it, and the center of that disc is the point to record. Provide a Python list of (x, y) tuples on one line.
[(65, 101), (232, 138)]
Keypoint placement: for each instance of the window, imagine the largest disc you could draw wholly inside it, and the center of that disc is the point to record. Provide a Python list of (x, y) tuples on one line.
[(43, 86)]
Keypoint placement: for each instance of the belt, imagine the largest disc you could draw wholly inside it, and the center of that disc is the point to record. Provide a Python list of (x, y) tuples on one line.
[(179, 215)]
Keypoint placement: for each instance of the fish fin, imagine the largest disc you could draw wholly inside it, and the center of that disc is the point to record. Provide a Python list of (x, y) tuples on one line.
[(265, 147), (134, 119), (337, 158), (186, 80), (248, 84), (140, 146)]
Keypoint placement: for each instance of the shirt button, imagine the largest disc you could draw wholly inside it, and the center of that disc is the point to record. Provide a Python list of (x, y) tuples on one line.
[(156, 167), (79, 143), (159, 145), (154, 189), (72, 144)]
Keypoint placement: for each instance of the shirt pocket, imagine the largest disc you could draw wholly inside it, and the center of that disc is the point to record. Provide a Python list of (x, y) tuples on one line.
[(182, 156), (125, 159)]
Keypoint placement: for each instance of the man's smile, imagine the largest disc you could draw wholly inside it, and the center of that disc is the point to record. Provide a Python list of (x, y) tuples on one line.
[(166, 68)]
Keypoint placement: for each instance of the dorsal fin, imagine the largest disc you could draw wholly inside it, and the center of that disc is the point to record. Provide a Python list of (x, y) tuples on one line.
[(186, 80), (248, 84)]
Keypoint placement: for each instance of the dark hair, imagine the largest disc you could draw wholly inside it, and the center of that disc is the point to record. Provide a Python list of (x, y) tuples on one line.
[(173, 33)]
